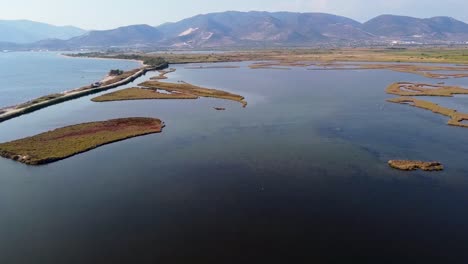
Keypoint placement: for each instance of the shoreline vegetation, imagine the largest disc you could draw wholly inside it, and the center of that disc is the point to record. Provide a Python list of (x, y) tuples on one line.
[(68, 141), (332, 59), (295, 56)]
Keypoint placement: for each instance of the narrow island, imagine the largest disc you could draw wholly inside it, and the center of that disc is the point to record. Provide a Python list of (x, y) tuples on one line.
[(409, 165), (423, 89), (212, 67), (407, 89), (162, 74), (429, 71), (137, 93), (456, 118), (182, 90), (68, 141)]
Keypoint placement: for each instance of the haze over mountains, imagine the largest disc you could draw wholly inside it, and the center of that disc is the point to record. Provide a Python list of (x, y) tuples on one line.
[(265, 29), (25, 31)]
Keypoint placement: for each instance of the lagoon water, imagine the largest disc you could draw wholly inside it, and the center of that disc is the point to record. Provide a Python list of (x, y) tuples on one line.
[(28, 75), (301, 172)]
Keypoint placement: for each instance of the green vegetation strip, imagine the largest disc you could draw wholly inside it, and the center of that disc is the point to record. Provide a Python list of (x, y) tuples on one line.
[(71, 140)]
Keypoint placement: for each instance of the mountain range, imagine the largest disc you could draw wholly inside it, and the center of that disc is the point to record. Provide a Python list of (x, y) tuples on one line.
[(25, 31), (263, 29)]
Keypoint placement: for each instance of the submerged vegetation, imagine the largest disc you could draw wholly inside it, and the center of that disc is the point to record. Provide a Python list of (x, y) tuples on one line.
[(68, 141)]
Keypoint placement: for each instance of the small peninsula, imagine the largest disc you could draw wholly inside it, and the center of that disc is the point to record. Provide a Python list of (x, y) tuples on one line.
[(409, 165), (68, 141)]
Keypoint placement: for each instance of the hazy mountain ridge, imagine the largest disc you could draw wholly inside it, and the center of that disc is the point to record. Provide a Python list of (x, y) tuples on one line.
[(436, 28), (254, 28), (25, 31), (122, 36)]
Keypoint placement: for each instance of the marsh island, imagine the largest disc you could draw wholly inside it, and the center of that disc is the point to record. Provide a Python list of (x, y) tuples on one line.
[(411, 165), (65, 142)]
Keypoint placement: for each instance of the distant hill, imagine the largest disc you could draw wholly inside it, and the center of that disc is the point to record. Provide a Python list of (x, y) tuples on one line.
[(123, 36), (266, 29), (241, 28), (436, 28), (25, 31)]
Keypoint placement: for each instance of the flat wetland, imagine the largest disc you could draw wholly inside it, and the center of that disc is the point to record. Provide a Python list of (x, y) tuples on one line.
[(303, 169)]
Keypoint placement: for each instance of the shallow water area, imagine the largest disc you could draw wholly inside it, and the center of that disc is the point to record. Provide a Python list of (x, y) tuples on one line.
[(302, 168)]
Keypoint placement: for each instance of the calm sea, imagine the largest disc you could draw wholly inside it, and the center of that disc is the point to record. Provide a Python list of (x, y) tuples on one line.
[(28, 75), (300, 173)]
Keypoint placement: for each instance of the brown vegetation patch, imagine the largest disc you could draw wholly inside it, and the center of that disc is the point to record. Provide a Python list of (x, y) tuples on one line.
[(429, 71), (68, 141), (456, 118), (422, 89), (162, 74), (409, 165)]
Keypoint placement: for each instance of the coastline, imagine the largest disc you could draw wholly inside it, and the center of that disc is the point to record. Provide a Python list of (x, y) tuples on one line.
[(142, 64), (14, 111), (286, 58)]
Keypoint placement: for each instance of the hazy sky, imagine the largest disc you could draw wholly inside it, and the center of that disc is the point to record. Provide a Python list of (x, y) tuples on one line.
[(104, 14)]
